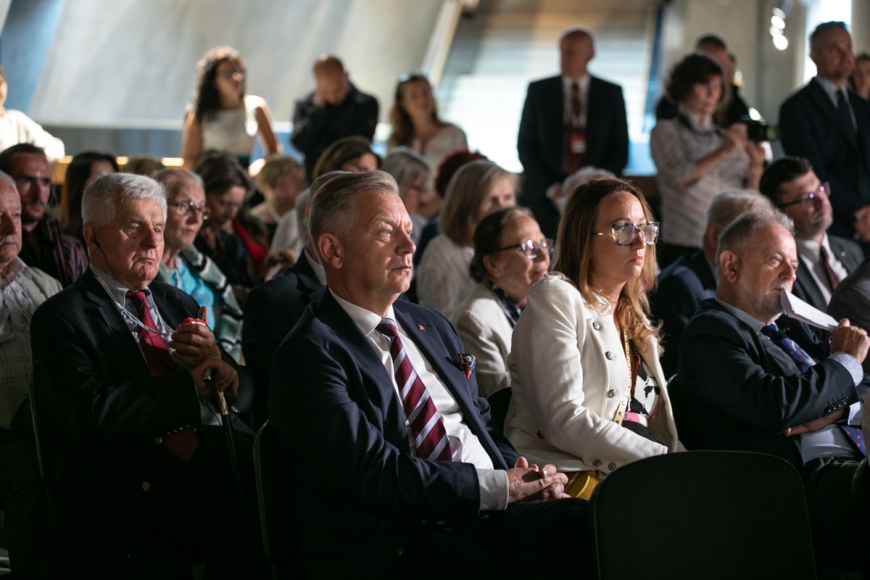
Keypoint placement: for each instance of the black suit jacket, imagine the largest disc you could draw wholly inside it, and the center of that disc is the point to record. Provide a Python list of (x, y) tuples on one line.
[(103, 408), (271, 311), (736, 390), (681, 288), (847, 253), (541, 141), (362, 495), (316, 128), (851, 300), (810, 127)]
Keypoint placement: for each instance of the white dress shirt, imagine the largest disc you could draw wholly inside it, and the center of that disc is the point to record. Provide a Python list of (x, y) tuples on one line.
[(583, 85), (831, 90), (464, 445), (810, 255)]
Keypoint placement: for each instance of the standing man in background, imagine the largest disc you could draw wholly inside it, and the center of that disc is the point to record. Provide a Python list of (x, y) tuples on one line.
[(569, 121)]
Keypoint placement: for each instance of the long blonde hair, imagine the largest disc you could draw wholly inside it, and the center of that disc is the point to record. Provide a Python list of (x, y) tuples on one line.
[(575, 256)]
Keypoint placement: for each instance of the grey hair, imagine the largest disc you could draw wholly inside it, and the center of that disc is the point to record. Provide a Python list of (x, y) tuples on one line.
[(406, 165), (728, 205), (8, 179), (100, 200), (333, 209), (739, 233), (174, 177), (304, 200)]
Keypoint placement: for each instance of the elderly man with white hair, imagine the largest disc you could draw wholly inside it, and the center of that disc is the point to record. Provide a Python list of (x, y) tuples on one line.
[(119, 361), (22, 289)]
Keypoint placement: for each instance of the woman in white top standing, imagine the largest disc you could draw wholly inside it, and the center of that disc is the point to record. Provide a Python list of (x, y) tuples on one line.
[(589, 394), (222, 117), (443, 277), (416, 125)]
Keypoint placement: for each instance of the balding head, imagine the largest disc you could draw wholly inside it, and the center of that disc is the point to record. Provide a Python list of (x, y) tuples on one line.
[(577, 47), (331, 80)]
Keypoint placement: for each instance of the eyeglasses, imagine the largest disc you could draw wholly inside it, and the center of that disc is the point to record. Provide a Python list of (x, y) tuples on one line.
[(229, 74), (809, 199), (530, 248), (185, 208), (623, 234)]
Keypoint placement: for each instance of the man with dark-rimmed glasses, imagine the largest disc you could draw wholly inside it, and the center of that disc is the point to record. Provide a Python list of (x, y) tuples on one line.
[(825, 260)]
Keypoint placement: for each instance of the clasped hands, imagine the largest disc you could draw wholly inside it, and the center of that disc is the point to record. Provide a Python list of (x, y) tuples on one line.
[(528, 482), (195, 348)]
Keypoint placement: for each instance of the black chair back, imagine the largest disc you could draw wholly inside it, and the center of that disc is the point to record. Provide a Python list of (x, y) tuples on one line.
[(499, 402), (702, 514), (276, 496), (43, 441)]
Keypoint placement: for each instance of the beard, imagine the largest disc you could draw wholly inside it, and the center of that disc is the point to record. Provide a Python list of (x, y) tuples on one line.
[(767, 305)]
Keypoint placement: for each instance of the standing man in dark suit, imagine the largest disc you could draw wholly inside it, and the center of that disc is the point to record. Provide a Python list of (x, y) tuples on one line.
[(685, 284), (335, 109), (793, 187), (851, 300), (273, 308), (400, 470), (829, 125), (137, 454), (569, 121), (744, 385)]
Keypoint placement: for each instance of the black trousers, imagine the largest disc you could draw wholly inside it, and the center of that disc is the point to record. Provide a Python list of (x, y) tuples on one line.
[(529, 538), (836, 523), (196, 515)]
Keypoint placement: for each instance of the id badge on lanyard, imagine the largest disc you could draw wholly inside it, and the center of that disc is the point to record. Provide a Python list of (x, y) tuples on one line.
[(577, 142)]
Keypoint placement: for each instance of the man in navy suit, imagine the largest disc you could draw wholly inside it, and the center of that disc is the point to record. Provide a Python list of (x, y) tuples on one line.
[(138, 461), (691, 280), (743, 385), (399, 467), (829, 125), (793, 187), (569, 121)]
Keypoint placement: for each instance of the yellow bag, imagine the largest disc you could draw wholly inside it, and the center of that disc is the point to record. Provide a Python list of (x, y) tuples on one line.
[(582, 483)]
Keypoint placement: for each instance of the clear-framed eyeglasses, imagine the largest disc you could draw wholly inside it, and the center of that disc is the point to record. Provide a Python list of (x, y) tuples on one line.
[(809, 200), (530, 248), (623, 234), (186, 208)]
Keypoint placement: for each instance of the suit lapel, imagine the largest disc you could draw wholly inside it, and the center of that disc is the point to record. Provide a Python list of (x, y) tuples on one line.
[(806, 288), (850, 260), (823, 102)]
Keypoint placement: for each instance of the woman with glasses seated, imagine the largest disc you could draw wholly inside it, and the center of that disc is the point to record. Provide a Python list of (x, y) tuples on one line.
[(221, 116), (186, 268), (588, 391), (510, 254)]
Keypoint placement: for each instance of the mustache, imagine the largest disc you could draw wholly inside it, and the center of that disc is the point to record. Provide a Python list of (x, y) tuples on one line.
[(9, 240)]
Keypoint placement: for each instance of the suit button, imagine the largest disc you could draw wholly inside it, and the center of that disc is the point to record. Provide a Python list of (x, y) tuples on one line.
[(611, 467), (158, 440), (608, 355), (596, 325), (596, 463), (540, 435), (146, 486), (611, 393)]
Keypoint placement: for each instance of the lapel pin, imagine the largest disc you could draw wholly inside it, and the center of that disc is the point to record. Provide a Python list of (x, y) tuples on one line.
[(467, 363), (421, 327)]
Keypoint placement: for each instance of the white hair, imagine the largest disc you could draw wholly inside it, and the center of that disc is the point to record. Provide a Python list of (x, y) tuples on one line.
[(101, 198)]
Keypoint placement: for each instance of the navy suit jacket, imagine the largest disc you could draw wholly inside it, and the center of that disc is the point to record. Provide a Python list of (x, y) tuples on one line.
[(271, 311), (732, 391), (681, 288), (847, 253), (810, 127), (361, 494), (103, 409), (541, 140)]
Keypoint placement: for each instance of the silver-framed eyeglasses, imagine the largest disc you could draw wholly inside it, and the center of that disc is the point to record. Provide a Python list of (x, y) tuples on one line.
[(530, 248), (186, 208), (809, 199), (623, 234)]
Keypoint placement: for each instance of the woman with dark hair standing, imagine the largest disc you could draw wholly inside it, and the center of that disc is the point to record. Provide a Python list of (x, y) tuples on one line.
[(416, 125), (236, 241), (592, 396), (510, 254), (694, 158), (84, 169), (221, 116)]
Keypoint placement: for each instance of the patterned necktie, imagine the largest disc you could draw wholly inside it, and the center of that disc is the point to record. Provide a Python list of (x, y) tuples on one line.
[(427, 426), (575, 104), (832, 276), (804, 362), (182, 443)]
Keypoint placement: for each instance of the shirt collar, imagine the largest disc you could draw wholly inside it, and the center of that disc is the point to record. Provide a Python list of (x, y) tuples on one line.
[(809, 249), (16, 269), (705, 125), (831, 89), (116, 291), (366, 320), (319, 271), (582, 82), (742, 316)]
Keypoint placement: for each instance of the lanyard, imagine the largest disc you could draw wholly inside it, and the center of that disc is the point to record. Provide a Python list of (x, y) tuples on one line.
[(164, 332)]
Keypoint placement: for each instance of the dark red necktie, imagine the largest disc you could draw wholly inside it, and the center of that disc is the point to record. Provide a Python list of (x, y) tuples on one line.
[(182, 443), (832, 277), (426, 423), (576, 141)]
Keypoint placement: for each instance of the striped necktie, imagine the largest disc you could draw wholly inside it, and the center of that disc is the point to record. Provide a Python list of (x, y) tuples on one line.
[(427, 426)]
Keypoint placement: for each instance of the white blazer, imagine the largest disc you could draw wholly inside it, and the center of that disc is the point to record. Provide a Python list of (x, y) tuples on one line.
[(486, 333), (569, 375)]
